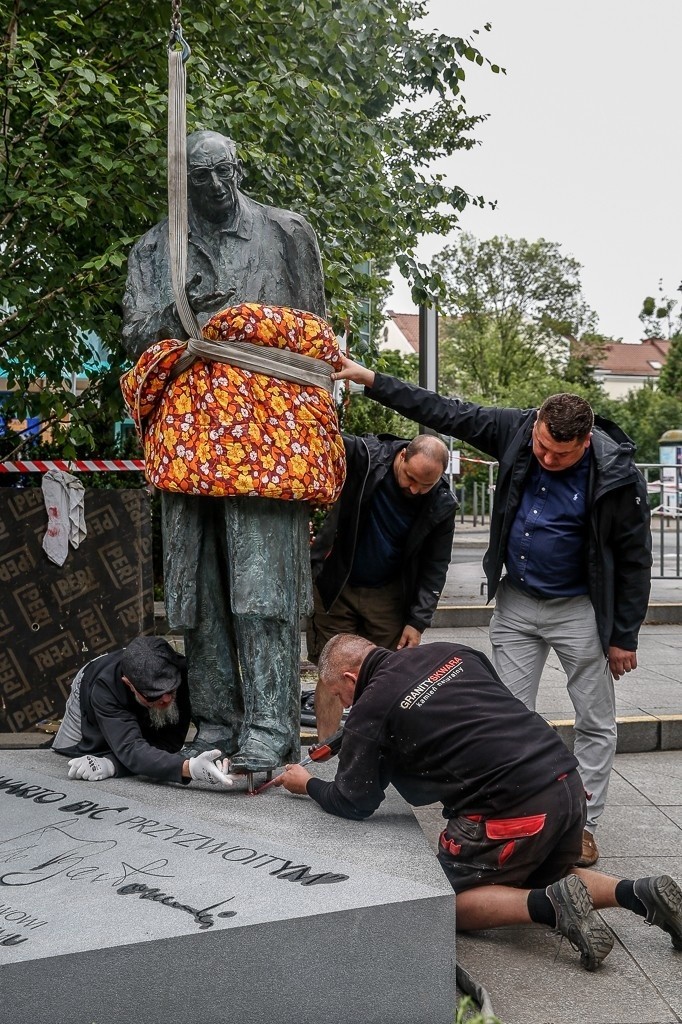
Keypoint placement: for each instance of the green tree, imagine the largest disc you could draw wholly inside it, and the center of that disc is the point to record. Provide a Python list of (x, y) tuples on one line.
[(670, 379), (661, 315), (662, 318), (338, 108), (516, 315), (644, 415)]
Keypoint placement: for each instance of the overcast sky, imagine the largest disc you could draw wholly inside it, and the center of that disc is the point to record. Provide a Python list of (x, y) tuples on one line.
[(582, 145)]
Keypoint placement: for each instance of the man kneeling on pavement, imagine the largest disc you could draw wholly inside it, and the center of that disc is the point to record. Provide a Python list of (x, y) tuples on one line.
[(128, 713), (437, 722)]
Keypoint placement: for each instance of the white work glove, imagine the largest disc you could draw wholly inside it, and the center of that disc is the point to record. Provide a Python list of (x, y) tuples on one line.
[(203, 768), (92, 769)]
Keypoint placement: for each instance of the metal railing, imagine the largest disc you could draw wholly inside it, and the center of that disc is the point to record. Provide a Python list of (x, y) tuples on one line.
[(665, 498), (475, 500), (664, 486)]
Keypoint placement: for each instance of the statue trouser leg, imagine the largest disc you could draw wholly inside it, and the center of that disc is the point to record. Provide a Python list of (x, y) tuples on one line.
[(269, 573), (212, 664), (270, 653)]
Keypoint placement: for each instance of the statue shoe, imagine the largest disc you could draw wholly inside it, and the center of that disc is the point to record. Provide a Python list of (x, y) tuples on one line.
[(200, 744), (255, 756)]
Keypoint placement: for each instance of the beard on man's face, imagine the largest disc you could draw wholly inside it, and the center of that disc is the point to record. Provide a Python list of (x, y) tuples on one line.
[(161, 717)]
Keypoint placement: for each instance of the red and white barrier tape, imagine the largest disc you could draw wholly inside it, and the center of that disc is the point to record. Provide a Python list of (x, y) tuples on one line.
[(482, 462), (107, 465), (75, 466)]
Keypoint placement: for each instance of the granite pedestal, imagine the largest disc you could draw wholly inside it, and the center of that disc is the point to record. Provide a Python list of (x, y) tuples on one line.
[(128, 902)]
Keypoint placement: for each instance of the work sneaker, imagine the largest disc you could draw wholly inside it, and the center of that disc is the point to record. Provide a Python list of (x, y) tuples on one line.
[(578, 921), (308, 709), (661, 897)]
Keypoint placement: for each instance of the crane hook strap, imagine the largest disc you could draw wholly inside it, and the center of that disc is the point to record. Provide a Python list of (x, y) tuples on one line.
[(178, 51), (177, 41)]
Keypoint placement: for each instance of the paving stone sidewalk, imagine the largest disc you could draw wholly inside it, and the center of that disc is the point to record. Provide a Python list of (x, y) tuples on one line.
[(534, 977), (531, 975)]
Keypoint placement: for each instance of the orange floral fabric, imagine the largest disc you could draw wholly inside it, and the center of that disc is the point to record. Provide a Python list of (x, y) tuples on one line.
[(223, 431)]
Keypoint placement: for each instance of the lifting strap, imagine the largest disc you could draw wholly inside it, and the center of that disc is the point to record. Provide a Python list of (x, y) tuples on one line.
[(274, 362), (177, 172), (280, 363)]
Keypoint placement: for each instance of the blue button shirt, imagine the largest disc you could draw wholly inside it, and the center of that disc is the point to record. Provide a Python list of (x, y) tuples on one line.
[(547, 541)]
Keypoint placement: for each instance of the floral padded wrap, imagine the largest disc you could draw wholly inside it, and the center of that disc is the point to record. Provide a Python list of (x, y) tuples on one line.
[(223, 431)]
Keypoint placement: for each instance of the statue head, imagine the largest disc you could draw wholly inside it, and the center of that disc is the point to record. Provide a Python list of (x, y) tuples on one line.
[(213, 175)]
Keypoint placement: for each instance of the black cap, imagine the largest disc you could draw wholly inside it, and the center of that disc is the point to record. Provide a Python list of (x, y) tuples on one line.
[(152, 666)]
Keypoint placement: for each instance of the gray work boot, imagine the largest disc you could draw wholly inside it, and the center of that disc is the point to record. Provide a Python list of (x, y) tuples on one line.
[(661, 897), (577, 919)]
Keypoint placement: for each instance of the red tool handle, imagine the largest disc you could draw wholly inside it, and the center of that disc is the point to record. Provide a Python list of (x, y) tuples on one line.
[(327, 748), (322, 752), (318, 752)]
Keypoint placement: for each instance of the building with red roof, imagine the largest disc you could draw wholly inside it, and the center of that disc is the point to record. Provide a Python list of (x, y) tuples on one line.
[(621, 368)]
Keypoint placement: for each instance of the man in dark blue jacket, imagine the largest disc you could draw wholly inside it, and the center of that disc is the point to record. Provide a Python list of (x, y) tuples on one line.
[(437, 723), (570, 522), (381, 557)]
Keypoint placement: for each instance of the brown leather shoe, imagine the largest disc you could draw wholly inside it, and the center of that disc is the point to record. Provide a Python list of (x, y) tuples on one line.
[(590, 853)]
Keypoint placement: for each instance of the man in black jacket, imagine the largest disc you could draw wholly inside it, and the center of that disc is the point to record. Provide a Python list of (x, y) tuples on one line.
[(381, 557), (437, 723), (570, 522), (128, 713)]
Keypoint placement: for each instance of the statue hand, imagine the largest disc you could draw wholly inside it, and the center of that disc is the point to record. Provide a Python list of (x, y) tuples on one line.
[(202, 301)]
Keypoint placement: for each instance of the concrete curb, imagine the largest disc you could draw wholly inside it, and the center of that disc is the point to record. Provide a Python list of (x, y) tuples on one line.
[(467, 615), (463, 615), (452, 616), (663, 613), (637, 734)]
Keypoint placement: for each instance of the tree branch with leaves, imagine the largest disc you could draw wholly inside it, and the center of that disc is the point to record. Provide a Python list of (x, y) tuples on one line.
[(338, 108)]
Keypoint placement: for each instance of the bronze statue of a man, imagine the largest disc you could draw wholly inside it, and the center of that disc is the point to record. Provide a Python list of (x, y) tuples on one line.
[(236, 570)]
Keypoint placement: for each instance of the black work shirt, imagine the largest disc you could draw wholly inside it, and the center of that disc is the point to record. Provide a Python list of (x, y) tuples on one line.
[(437, 723)]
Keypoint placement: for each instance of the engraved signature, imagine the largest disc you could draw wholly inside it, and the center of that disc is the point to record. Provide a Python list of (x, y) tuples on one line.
[(71, 857)]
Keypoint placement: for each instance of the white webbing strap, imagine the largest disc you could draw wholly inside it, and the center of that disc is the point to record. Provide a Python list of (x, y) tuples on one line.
[(274, 362), (280, 363), (177, 189)]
